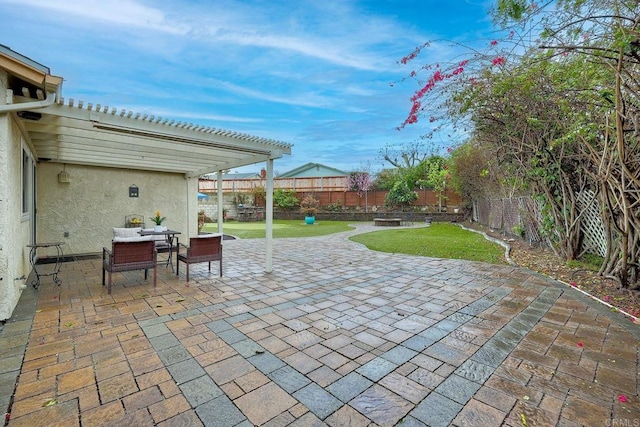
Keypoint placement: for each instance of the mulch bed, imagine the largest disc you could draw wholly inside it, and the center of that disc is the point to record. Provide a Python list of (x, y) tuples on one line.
[(544, 261)]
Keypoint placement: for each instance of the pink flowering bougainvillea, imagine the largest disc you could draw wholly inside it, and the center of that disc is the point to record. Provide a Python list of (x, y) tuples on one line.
[(437, 77), (435, 84), (413, 54), (499, 60)]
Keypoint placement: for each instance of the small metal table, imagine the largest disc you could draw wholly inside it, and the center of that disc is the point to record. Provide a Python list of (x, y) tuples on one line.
[(33, 258), (169, 236)]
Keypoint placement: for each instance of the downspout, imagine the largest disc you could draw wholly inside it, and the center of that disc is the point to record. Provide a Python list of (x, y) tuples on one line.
[(49, 100)]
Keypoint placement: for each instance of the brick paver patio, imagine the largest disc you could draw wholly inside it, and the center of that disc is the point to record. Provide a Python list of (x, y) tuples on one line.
[(336, 335)]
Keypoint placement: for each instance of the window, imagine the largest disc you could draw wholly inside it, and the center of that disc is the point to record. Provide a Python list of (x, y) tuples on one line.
[(28, 172)]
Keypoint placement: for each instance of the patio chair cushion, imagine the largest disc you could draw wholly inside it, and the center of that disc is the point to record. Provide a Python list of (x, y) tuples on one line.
[(129, 235), (126, 232), (132, 239), (207, 236)]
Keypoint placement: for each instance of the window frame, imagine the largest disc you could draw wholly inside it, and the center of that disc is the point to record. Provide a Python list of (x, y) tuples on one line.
[(27, 183)]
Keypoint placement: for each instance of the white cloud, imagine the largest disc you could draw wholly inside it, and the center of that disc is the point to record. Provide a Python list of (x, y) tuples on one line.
[(119, 12), (195, 116), (333, 32), (328, 51), (305, 100)]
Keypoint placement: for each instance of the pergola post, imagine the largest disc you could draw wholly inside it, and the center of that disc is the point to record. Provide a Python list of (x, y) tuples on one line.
[(220, 202), (269, 217)]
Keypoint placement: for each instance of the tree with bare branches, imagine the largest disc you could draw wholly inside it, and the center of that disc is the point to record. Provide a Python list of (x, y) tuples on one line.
[(602, 34)]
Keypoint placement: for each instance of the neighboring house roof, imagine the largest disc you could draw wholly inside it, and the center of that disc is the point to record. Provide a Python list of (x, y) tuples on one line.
[(246, 175), (233, 176), (75, 132), (313, 170)]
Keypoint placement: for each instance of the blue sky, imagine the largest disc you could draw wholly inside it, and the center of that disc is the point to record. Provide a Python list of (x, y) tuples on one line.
[(316, 74)]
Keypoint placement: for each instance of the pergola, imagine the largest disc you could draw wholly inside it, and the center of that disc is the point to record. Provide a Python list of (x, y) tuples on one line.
[(102, 136), (70, 132)]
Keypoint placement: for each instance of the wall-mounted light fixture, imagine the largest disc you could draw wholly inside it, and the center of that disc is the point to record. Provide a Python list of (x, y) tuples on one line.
[(29, 115), (133, 191), (63, 177)]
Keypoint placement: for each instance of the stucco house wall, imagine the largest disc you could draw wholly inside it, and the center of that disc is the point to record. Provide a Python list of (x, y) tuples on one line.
[(14, 229), (97, 199)]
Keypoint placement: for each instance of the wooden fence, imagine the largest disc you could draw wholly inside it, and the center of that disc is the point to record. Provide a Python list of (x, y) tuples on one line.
[(329, 199), (351, 199), (329, 191), (325, 183)]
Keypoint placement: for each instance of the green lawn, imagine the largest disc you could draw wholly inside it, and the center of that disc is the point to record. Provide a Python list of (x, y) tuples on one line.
[(440, 240), (281, 228)]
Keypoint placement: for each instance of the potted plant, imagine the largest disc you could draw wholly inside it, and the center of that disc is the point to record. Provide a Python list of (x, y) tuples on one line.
[(259, 195), (309, 207), (157, 220)]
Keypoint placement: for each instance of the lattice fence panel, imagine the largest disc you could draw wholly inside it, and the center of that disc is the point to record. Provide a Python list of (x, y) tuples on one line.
[(482, 208), (531, 218), (511, 218), (481, 211), (594, 237), (495, 214)]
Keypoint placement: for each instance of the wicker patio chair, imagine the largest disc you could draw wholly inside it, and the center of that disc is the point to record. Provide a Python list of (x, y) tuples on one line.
[(200, 249), (127, 256)]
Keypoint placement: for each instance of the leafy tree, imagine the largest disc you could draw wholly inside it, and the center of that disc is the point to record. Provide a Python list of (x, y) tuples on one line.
[(385, 179), (404, 156), (408, 161), (285, 199), (259, 194), (309, 205), (475, 173), (400, 195), (562, 118), (606, 35), (413, 165), (524, 112), (436, 175)]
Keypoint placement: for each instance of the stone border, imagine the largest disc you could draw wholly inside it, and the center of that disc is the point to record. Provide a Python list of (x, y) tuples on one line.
[(507, 248)]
